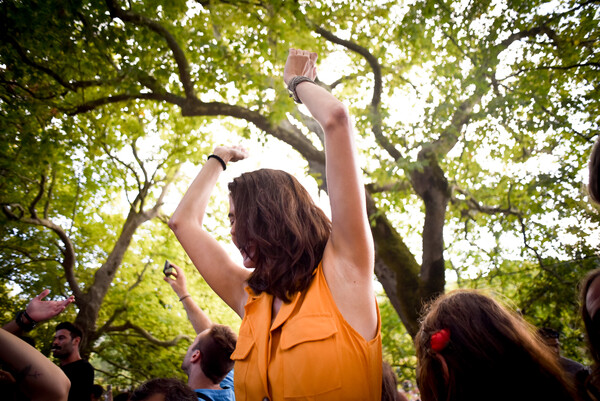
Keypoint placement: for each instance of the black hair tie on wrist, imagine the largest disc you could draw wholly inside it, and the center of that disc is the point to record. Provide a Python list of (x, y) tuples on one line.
[(25, 326), (223, 164)]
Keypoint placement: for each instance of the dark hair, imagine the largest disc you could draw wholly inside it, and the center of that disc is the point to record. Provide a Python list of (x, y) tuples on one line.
[(172, 389), (489, 347), (97, 390), (71, 328), (122, 396), (389, 383), (275, 213), (548, 332), (216, 349), (594, 185)]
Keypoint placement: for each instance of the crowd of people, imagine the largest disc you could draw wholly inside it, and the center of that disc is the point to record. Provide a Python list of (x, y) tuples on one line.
[(311, 328)]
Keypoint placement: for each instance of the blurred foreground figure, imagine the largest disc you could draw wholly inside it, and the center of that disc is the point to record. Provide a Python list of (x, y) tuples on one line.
[(589, 298), (36, 375), (470, 347)]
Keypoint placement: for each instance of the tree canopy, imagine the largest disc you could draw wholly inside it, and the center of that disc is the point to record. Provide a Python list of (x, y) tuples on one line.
[(475, 120)]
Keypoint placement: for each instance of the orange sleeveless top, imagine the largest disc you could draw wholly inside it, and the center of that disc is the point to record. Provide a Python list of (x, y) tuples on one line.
[(309, 352)]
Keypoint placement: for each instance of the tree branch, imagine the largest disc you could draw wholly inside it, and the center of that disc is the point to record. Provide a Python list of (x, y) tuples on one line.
[(139, 278), (116, 313), (127, 166), (38, 197), (163, 193), (397, 186), (91, 105), (68, 261), (143, 333), (70, 85), (140, 20), (474, 204), (377, 87)]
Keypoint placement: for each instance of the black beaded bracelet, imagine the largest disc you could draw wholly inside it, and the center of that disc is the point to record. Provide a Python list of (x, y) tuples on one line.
[(219, 159), (24, 326), (292, 86)]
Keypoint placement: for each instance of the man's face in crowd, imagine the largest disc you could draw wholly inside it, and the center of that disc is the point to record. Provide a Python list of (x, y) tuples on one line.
[(63, 344)]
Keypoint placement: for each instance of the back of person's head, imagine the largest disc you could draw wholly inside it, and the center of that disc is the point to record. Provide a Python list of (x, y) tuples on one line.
[(172, 389), (97, 391), (216, 349), (548, 332), (28, 340), (389, 383), (71, 328), (275, 213), (469, 347), (126, 396), (594, 181)]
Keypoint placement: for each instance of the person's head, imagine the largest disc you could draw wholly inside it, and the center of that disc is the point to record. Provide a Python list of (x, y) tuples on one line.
[(122, 396), (163, 390), (594, 184), (470, 347), (551, 338), (211, 353), (66, 340), (589, 299), (279, 230), (97, 391)]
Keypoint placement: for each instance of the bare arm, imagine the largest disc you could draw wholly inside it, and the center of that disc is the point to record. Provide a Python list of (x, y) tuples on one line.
[(39, 311), (199, 319), (351, 236), (348, 261), (37, 376), (223, 275)]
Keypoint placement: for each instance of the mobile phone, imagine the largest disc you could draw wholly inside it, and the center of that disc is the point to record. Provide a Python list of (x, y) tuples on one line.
[(169, 270)]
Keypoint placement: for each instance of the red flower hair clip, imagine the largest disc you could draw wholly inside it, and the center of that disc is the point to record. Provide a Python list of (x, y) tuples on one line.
[(440, 339)]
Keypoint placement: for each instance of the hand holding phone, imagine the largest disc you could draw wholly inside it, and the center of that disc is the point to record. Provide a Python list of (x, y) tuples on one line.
[(169, 270)]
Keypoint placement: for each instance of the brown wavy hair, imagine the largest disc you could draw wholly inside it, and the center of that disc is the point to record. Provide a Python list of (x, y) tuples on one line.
[(493, 354), (275, 213)]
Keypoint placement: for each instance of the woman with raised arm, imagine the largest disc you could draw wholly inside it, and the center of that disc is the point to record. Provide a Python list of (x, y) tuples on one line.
[(311, 325)]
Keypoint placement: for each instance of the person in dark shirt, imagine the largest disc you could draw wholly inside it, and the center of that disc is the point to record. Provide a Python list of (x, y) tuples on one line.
[(575, 371), (65, 347)]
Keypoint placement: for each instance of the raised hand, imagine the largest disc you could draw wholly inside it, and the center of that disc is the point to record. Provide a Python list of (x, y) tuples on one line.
[(300, 62), (231, 153), (44, 310)]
